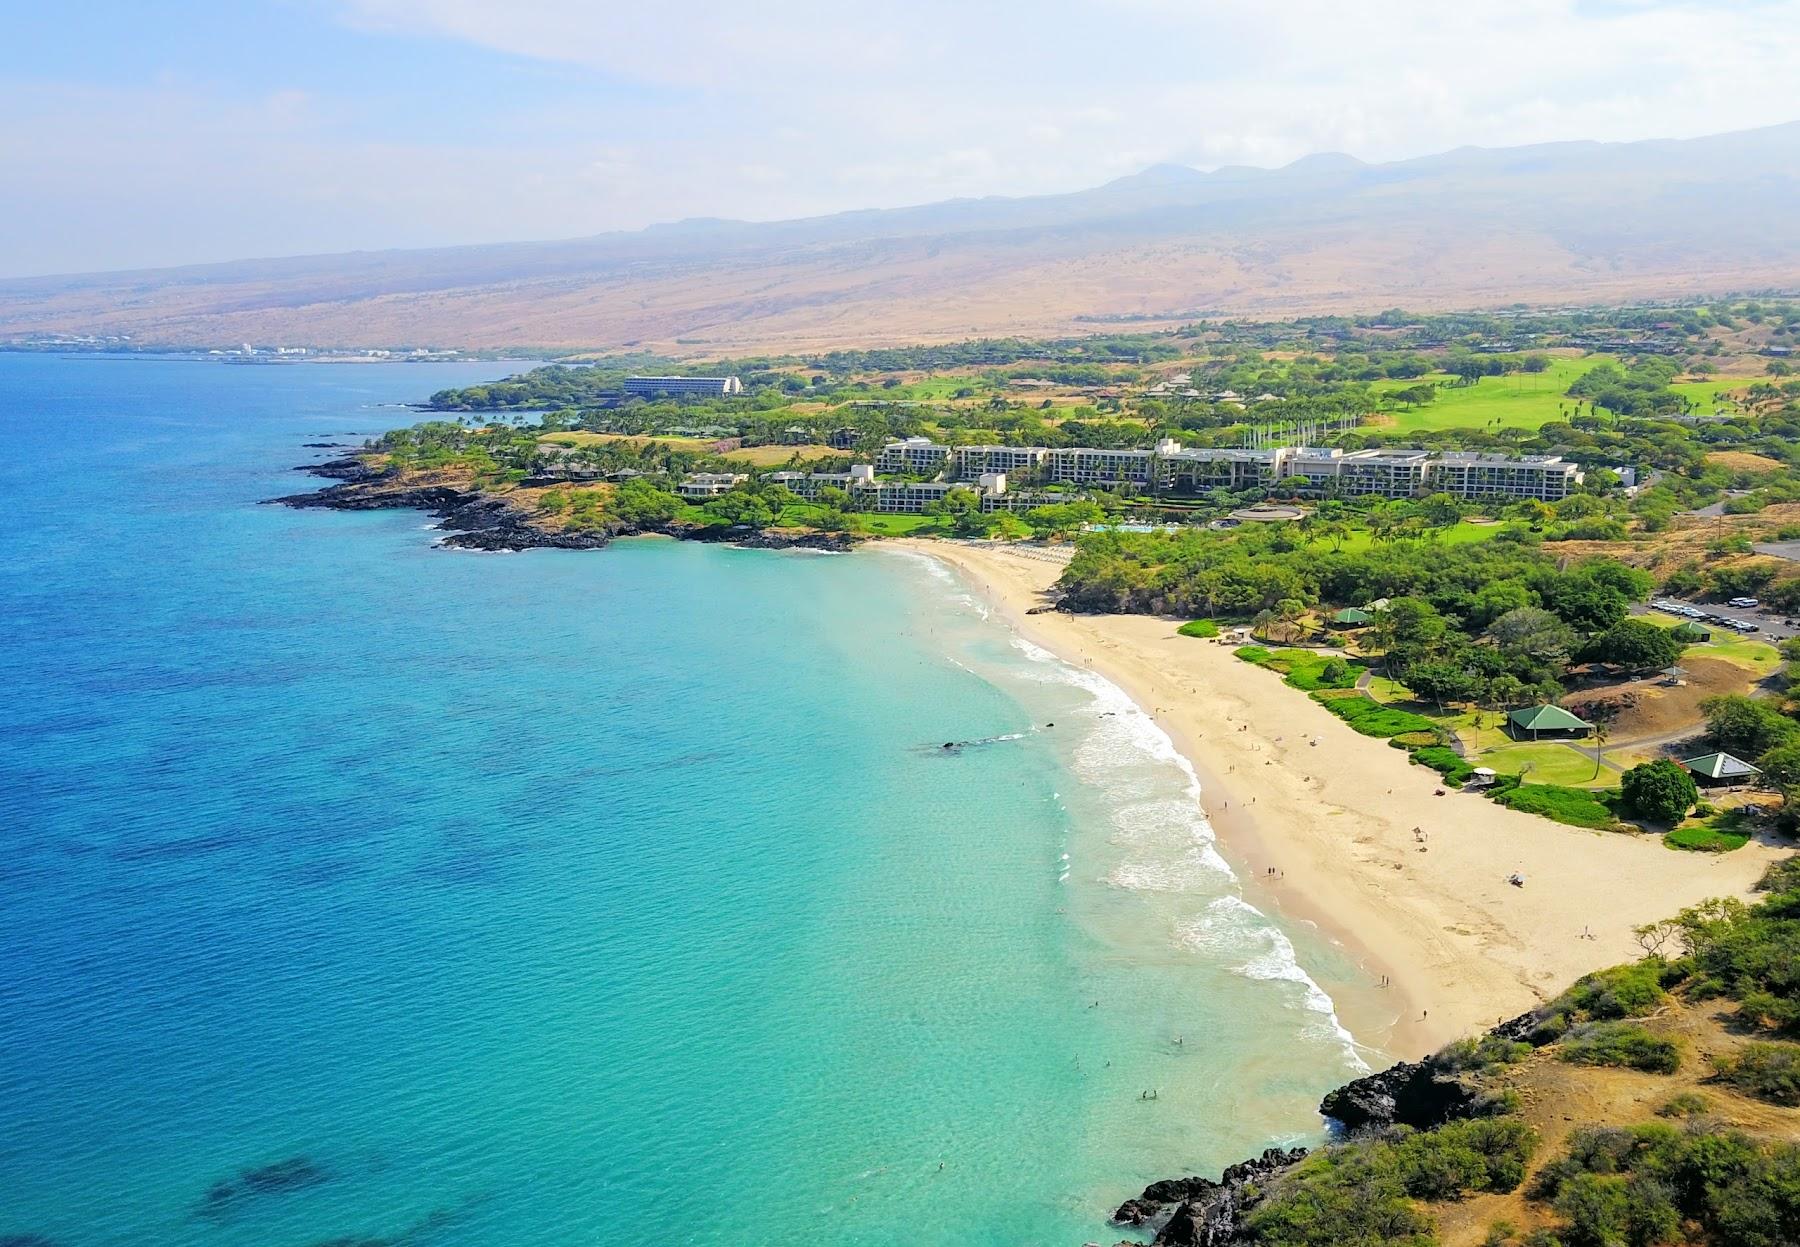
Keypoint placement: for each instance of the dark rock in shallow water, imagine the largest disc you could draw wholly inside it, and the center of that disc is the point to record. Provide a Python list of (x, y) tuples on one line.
[(1212, 1213), (293, 1174), (26, 1240)]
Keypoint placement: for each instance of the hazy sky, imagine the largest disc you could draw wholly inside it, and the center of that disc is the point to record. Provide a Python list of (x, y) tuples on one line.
[(142, 134)]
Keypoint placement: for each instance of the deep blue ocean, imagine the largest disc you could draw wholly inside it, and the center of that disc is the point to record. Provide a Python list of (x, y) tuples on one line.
[(358, 892)]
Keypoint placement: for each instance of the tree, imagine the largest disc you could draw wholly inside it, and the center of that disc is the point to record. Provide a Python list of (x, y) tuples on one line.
[(962, 507), (739, 508), (1288, 611), (641, 503), (1746, 727), (1660, 791), (1781, 765), (1442, 681), (1440, 509), (1635, 644), (1534, 635)]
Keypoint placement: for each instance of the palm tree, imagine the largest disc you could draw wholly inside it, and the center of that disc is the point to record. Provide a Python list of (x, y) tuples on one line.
[(1600, 734), (1289, 610), (1260, 625)]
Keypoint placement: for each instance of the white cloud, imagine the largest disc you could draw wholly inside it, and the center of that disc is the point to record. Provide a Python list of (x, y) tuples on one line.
[(790, 107)]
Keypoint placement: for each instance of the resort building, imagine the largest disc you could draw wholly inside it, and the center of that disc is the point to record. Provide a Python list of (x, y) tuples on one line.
[(710, 484), (1180, 471), (915, 456), (1170, 468), (915, 497), (809, 484), (712, 387), (1080, 465), (1469, 474), (972, 462)]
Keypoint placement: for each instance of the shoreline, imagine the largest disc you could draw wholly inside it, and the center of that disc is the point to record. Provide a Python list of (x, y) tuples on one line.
[(1333, 812)]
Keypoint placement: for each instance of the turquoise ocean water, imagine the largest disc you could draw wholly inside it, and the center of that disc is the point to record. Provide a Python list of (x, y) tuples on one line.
[(570, 898)]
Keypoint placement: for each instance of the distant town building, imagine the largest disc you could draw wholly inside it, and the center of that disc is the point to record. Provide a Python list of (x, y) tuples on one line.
[(713, 387)]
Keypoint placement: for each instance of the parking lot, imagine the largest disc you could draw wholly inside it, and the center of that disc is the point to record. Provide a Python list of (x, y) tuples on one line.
[(1771, 626)]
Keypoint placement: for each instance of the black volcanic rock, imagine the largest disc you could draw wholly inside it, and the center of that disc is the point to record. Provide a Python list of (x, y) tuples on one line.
[(1421, 1094), (1212, 1214)]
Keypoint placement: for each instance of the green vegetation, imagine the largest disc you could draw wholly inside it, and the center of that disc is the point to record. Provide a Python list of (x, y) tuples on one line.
[(1628, 991), (1447, 762), (1767, 1071), (1578, 807), (1623, 1044), (1303, 668), (1705, 839), (1637, 1187), (1363, 1193), (1203, 628), (1372, 718), (1660, 791)]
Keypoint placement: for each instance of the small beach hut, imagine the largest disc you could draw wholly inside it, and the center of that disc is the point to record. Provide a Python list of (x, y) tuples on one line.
[(1533, 722), (1481, 777), (1720, 770), (1350, 617)]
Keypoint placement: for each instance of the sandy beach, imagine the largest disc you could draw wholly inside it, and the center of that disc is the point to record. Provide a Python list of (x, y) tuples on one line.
[(1291, 788)]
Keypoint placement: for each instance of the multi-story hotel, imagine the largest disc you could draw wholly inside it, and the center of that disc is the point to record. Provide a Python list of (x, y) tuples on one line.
[(712, 386), (1172, 469), (915, 497), (1180, 471), (1469, 474), (1023, 462), (1080, 465), (916, 456), (809, 484)]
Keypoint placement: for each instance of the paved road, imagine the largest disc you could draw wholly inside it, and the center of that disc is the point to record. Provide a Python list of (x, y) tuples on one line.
[(1774, 629)]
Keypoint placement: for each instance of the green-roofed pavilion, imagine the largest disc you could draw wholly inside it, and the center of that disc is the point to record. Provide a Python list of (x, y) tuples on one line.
[(1720, 768), (1535, 721), (1350, 617)]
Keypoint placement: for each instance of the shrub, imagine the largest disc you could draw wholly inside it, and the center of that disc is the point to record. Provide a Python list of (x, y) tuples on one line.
[(1687, 1104), (1628, 991), (1485, 1052), (1768, 1071), (1577, 807), (1633, 1188), (1373, 719), (1446, 762), (1203, 628), (1623, 1044), (1705, 839), (1361, 1193)]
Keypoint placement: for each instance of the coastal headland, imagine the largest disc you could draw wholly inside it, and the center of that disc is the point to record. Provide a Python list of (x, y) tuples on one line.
[(1447, 945)]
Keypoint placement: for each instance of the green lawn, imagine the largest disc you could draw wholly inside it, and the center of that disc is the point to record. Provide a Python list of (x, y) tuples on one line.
[(1526, 400), (900, 525), (1756, 656), (1520, 401), (1706, 395), (1462, 533), (1550, 764)]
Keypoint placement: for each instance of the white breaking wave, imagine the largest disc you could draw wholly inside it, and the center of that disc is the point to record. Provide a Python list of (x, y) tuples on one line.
[(1122, 738), (1231, 925)]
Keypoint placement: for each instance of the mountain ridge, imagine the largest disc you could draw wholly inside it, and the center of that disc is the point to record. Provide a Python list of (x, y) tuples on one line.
[(1556, 222)]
